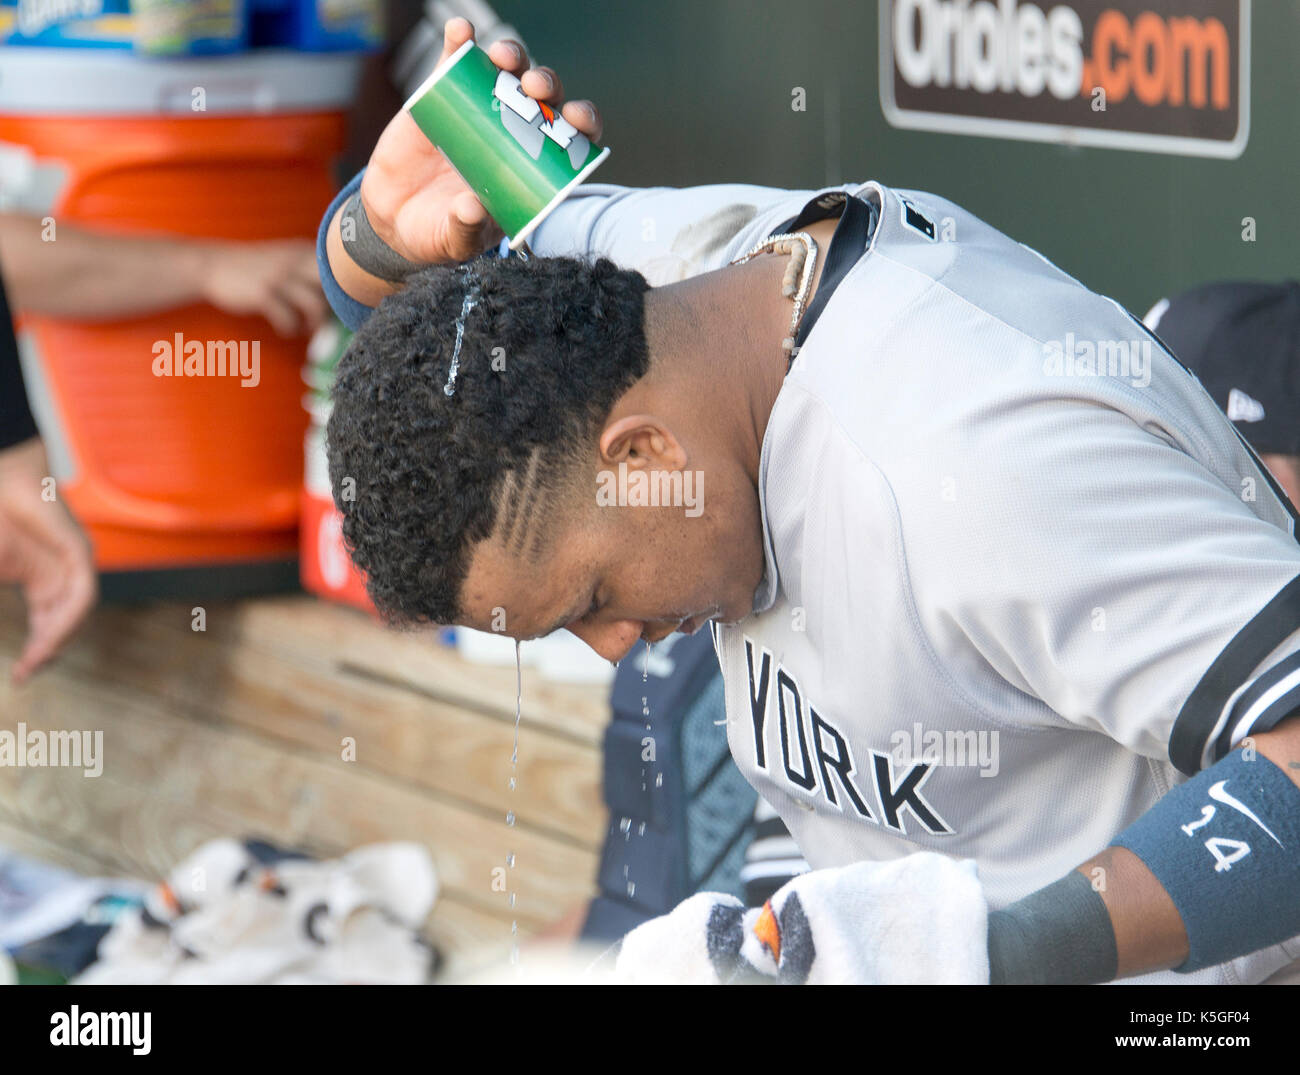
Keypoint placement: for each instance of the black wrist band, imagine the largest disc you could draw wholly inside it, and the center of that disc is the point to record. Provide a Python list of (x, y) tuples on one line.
[(366, 248), (1059, 935)]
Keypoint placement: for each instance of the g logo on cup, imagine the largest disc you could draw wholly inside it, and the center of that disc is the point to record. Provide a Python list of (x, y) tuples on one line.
[(530, 122)]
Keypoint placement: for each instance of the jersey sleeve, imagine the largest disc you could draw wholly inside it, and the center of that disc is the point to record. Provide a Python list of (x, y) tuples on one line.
[(1096, 566), (666, 233)]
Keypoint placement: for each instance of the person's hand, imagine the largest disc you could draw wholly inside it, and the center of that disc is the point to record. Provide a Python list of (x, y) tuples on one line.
[(276, 278), (415, 200), (44, 552), (921, 919)]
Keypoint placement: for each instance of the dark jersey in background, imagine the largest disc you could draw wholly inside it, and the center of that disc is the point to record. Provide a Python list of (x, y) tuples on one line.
[(16, 422)]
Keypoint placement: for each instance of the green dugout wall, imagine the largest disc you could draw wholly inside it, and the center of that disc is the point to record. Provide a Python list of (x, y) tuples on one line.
[(699, 91)]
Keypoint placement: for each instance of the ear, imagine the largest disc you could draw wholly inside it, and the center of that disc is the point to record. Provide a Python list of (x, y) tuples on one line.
[(643, 442)]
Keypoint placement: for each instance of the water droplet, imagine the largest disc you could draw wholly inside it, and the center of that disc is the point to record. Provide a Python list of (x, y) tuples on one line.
[(631, 889), (625, 824), (659, 780), (641, 830), (514, 753), (471, 300), (625, 873), (645, 672), (519, 692)]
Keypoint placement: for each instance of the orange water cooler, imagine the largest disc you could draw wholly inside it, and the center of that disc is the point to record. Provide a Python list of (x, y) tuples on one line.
[(326, 569), (187, 485)]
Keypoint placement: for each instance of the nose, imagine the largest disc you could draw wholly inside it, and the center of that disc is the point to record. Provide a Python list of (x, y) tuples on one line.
[(613, 641)]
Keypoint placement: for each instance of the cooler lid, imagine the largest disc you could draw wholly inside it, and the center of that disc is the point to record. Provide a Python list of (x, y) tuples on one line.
[(69, 81)]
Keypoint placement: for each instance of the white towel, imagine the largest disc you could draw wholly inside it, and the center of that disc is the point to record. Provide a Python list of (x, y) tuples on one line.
[(222, 918), (921, 919)]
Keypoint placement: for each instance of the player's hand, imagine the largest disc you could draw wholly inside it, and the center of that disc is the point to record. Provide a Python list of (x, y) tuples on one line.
[(922, 919), (414, 199), (276, 278), (44, 553)]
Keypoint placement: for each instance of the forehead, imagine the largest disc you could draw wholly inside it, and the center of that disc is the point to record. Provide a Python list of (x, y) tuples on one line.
[(507, 592)]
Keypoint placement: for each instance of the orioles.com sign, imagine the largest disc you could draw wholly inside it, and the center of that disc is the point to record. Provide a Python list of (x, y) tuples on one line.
[(1102, 73)]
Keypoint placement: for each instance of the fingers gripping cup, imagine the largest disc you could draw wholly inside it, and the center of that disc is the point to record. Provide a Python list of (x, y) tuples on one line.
[(518, 154)]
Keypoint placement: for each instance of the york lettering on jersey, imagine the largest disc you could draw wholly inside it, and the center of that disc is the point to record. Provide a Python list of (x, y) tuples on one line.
[(816, 757)]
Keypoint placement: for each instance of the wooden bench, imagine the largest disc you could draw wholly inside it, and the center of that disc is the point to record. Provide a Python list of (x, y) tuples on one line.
[(243, 729)]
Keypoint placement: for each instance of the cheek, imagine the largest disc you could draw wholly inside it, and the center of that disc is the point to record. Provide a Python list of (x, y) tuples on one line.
[(664, 562), (711, 564)]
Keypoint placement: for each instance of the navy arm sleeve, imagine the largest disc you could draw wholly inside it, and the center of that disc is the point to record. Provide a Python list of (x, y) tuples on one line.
[(349, 311)]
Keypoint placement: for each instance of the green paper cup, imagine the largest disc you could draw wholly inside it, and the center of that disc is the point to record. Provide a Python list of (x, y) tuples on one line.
[(520, 156)]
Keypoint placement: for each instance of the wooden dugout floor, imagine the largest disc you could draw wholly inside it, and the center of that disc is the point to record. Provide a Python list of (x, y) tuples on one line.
[(240, 730)]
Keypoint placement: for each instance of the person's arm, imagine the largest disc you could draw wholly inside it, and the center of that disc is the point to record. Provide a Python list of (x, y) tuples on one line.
[(75, 273), (41, 549), (419, 208), (351, 311), (1208, 874), (44, 553), (665, 233), (412, 203)]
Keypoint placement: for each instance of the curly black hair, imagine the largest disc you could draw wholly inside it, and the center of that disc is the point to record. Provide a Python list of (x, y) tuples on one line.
[(547, 349)]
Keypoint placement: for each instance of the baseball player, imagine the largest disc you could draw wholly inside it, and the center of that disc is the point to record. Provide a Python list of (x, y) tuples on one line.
[(1008, 612)]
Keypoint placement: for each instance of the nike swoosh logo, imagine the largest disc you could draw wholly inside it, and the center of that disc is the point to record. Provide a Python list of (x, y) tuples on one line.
[(1218, 794)]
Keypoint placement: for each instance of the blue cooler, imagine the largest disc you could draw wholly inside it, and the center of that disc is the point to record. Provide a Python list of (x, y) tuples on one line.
[(154, 27)]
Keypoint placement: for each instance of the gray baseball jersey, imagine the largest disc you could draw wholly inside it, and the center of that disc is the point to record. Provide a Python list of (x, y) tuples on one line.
[(1022, 575)]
